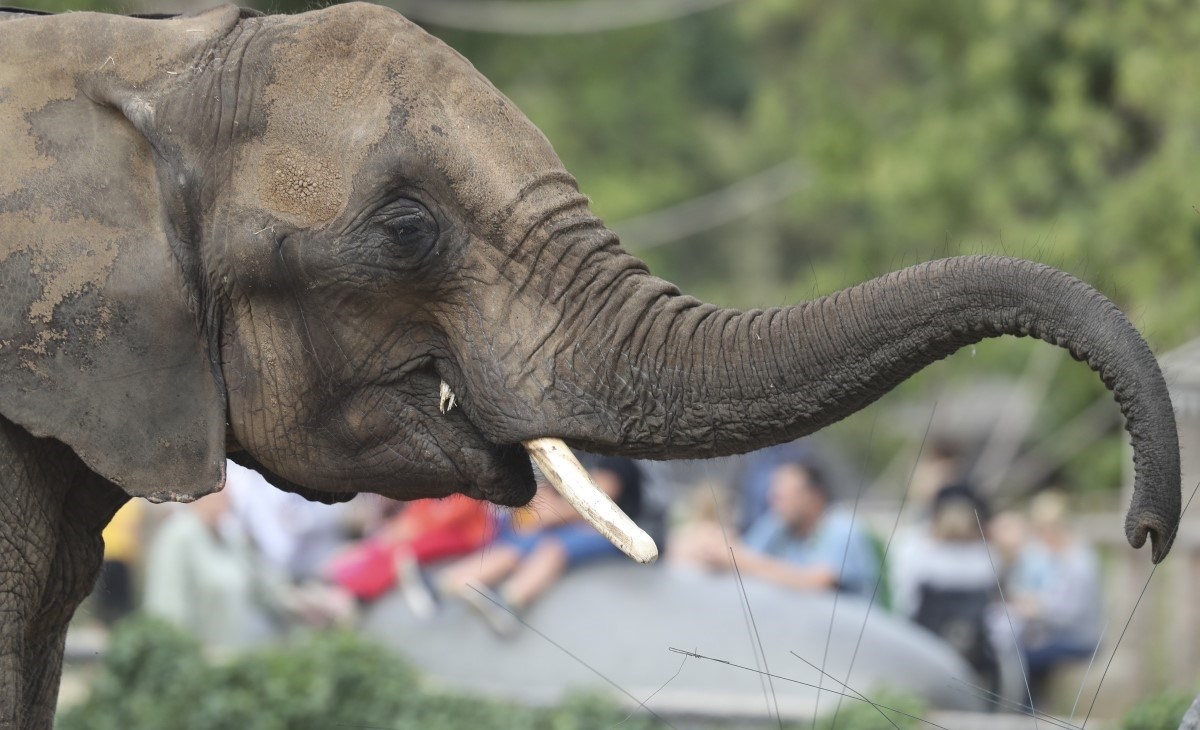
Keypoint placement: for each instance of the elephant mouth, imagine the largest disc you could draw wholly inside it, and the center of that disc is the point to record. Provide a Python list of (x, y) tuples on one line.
[(562, 470)]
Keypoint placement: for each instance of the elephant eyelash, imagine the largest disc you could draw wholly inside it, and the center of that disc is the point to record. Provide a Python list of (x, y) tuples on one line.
[(413, 233), (406, 220), (412, 224)]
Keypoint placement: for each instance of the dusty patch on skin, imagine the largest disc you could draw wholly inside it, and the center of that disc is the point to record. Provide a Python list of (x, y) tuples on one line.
[(66, 258), (327, 105), (302, 185), (41, 346), (21, 156)]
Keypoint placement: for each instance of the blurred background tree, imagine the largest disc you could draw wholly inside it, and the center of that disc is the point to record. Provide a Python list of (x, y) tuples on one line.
[(1064, 131)]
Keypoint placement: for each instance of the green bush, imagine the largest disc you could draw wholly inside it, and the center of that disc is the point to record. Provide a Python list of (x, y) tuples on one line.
[(857, 715), (156, 677), (1163, 712)]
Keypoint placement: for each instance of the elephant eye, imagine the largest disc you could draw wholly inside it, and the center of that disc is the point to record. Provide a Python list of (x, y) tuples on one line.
[(412, 227)]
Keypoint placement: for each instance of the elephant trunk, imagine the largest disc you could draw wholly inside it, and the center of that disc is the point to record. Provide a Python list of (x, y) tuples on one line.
[(717, 381)]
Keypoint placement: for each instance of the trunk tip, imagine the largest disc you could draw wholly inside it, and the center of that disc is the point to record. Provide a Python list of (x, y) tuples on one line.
[(1137, 529)]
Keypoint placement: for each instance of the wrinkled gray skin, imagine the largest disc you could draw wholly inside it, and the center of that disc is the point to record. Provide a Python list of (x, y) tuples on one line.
[(272, 237)]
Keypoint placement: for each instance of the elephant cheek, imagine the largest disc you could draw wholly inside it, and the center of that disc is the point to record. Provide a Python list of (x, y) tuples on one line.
[(371, 426)]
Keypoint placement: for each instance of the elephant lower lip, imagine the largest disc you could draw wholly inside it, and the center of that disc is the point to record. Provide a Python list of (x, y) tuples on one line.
[(504, 498), (507, 479)]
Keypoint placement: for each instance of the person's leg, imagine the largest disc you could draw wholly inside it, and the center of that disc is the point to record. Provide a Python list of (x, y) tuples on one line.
[(535, 574), (472, 579), (487, 568), (1042, 660), (564, 547)]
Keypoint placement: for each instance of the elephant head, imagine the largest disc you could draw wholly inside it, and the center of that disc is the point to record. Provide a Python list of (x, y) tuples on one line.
[(297, 238)]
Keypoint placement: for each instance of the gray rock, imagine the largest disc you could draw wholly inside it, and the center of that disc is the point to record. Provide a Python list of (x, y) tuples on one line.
[(624, 621), (1191, 719)]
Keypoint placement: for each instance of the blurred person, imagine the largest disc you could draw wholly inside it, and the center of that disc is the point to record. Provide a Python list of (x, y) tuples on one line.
[(1008, 532), (536, 549), (202, 576), (114, 592), (700, 519), (943, 579), (804, 540), (206, 575), (709, 502), (939, 465), (293, 538), (1055, 593), (947, 552), (754, 483), (296, 535), (425, 531)]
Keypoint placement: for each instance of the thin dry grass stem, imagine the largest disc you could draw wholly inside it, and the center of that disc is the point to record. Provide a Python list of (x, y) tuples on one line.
[(755, 648), (860, 695), (651, 696), (886, 550), (754, 624), (1088, 673), (1004, 604), (841, 571), (1020, 708), (735, 665)]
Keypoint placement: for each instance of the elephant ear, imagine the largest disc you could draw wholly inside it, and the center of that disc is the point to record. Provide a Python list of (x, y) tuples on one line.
[(102, 338)]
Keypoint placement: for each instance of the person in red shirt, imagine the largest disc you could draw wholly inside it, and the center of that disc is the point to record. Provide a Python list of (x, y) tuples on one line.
[(425, 531)]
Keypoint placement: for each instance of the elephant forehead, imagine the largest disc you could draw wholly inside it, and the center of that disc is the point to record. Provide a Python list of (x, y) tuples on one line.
[(325, 107), (355, 81), (478, 142)]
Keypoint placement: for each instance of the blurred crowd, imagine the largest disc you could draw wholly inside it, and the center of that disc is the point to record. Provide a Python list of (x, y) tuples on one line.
[(252, 563)]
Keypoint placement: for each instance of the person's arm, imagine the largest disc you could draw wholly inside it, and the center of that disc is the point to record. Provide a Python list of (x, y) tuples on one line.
[(781, 572), (714, 552), (831, 541)]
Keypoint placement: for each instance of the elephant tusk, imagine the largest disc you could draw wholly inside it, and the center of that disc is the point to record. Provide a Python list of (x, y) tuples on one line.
[(568, 477), (446, 399)]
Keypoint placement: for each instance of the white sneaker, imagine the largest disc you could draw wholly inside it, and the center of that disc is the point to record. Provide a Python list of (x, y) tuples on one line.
[(413, 587)]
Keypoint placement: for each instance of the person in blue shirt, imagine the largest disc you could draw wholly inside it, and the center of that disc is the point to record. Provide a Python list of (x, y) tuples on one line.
[(803, 541)]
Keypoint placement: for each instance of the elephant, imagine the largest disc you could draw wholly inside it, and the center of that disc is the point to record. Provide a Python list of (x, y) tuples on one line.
[(327, 247)]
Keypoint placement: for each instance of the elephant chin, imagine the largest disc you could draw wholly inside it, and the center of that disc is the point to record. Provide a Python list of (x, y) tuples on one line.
[(243, 458)]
